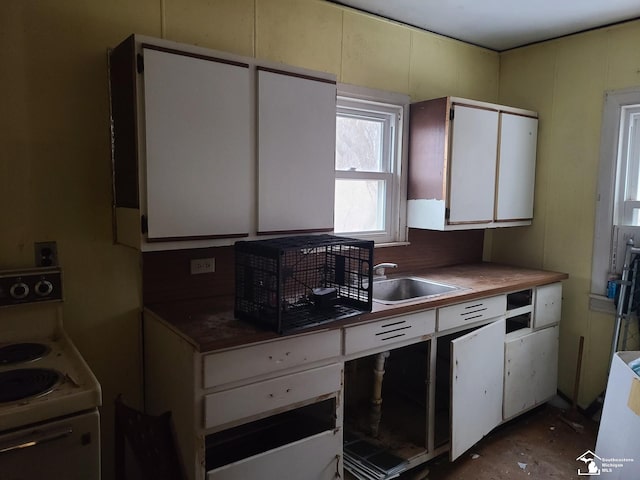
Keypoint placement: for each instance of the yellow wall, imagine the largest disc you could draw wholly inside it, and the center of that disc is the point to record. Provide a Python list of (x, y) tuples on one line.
[(564, 80), (55, 163)]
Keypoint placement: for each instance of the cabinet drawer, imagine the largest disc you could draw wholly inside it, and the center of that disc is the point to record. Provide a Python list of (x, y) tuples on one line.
[(471, 312), (548, 305), (236, 404), (241, 363), (391, 330), (315, 458)]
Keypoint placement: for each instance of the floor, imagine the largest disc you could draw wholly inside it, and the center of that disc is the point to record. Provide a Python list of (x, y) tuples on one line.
[(537, 445)]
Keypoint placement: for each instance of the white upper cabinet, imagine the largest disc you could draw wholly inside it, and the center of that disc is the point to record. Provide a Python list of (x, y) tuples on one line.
[(296, 150), (516, 167), (471, 165), (198, 146), (209, 146)]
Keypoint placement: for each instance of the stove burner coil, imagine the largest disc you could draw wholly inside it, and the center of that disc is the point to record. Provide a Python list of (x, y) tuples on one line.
[(22, 352), (24, 383)]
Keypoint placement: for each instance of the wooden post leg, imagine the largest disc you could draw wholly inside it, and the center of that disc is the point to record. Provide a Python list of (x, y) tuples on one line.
[(376, 398)]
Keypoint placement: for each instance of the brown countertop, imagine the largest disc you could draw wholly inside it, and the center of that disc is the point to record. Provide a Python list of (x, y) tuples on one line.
[(209, 324)]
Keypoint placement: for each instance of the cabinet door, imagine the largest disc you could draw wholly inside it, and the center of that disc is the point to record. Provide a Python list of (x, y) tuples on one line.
[(477, 367), (296, 153), (548, 305), (516, 167), (531, 370), (474, 148), (198, 147)]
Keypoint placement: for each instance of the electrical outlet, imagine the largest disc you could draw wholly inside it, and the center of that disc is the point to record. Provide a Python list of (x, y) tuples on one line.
[(203, 265), (46, 254)]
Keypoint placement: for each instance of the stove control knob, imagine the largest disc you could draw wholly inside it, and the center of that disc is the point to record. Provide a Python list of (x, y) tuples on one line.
[(43, 288), (19, 290)]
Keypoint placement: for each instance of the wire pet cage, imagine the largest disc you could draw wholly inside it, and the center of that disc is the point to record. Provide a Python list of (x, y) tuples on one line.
[(291, 283)]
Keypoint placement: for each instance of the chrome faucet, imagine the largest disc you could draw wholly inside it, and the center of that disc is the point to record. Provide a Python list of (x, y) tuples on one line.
[(378, 270)]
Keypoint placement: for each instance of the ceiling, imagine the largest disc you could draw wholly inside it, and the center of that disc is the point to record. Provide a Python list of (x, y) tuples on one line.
[(502, 24)]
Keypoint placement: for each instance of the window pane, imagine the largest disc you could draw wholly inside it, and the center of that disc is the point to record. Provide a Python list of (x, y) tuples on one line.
[(359, 205), (633, 162), (359, 144)]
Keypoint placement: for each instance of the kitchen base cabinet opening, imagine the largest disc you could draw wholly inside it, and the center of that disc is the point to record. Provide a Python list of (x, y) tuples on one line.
[(385, 413), (275, 440)]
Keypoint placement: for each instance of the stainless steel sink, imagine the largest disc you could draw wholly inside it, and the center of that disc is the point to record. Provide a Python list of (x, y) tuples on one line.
[(406, 289)]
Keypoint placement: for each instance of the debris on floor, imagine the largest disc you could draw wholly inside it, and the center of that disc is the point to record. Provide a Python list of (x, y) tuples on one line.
[(534, 445)]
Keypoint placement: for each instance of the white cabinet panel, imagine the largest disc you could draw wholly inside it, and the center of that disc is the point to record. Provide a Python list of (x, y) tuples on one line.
[(471, 312), (388, 331), (516, 167), (473, 164), (240, 403), (548, 305), (477, 367), (531, 370), (315, 458), (296, 151), (246, 362), (198, 146)]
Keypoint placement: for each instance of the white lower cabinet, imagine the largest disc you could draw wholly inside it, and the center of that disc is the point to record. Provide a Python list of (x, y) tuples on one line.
[(484, 375), (385, 333), (262, 398), (280, 409), (530, 370), (477, 366), (315, 458)]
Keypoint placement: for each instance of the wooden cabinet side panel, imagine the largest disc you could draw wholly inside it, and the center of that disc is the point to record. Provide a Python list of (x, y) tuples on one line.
[(122, 89), (428, 149), (169, 385)]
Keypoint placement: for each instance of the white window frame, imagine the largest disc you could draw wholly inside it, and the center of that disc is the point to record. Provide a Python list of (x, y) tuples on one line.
[(610, 233), (393, 109)]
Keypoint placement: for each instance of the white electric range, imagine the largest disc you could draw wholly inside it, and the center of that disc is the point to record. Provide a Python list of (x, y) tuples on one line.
[(49, 398)]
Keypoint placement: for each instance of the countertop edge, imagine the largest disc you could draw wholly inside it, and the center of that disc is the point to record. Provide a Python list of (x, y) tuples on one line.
[(476, 281)]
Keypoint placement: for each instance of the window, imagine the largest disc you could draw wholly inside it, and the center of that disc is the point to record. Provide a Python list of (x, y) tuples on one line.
[(370, 198), (618, 196), (628, 182)]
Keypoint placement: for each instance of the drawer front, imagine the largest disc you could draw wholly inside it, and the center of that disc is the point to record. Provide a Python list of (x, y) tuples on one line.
[(232, 406), (391, 330), (548, 305), (471, 312), (315, 458), (242, 363)]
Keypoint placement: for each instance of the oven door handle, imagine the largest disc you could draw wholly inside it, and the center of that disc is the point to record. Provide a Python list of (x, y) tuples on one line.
[(34, 439)]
